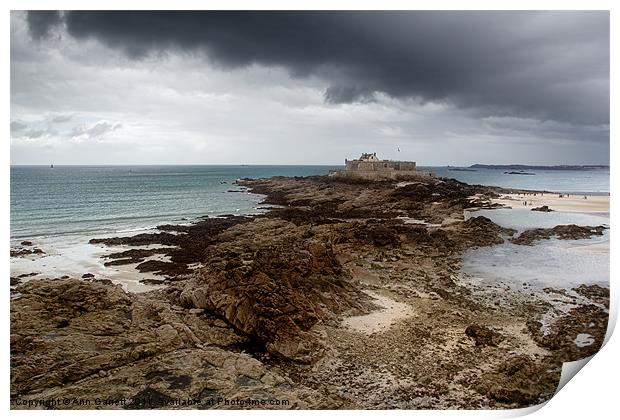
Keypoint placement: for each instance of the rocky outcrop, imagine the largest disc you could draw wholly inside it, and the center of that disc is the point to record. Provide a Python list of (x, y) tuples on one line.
[(132, 256), (22, 252), (594, 292), (562, 335), (183, 247), (564, 232), (544, 209), (478, 231), (483, 336), (275, 290), (511, 382), (72, 339)]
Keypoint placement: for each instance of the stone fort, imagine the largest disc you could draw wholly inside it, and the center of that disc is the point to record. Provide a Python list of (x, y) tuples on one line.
[(369, 166)]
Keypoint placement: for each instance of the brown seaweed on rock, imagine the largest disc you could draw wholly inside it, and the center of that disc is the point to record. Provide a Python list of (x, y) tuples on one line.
[(563, 232)]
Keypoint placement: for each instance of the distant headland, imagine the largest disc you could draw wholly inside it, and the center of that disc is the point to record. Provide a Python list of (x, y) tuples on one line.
[(542, 167)]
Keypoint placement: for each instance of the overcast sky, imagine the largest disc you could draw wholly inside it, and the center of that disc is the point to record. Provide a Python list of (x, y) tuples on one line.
[(446, 88)]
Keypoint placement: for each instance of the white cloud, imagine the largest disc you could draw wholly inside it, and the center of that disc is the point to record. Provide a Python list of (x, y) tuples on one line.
[(95, 131)]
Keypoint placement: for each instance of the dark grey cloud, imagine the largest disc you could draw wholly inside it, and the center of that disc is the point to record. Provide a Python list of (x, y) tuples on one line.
[(347, 94), (544, 65), (41, 22)]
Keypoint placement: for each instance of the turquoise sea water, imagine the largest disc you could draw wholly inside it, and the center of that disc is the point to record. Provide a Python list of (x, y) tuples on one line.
[(87, 200), (104, 199)]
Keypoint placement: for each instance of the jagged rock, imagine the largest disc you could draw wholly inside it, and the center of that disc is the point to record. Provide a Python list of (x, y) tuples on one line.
[(162, 267), (477, 231), (152, 281), (512, 382), (545, 209), (594, 292), (134, 255), (23, 252), (290, 283), (103, 343), (587, 319), (564, 232), (123, 261), (483, 336)]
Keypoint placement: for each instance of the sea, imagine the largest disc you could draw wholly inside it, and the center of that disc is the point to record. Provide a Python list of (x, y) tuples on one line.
[(59, 209)]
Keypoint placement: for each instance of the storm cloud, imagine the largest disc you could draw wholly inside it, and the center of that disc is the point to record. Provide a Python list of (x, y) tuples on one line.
[(309, 87), (543, 65)]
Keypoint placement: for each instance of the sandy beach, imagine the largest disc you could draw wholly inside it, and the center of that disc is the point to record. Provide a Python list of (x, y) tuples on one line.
[(569, 203)]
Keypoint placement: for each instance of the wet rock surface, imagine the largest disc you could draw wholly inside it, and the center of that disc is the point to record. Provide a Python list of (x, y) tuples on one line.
[(253, 307), (483, 336), (544, 209), (594, 292), (84, 340), (564, 232), (22, 252)]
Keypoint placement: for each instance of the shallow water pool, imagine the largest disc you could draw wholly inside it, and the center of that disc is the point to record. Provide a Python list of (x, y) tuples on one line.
[(548, 263)]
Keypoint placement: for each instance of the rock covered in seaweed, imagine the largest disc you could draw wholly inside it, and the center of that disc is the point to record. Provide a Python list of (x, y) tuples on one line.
[(564, 232)]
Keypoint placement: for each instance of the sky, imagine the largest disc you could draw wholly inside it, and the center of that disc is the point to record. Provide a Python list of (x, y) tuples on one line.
[(439, 88)]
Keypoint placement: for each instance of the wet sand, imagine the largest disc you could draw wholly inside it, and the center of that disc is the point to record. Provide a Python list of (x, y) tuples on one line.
[(574, 203), (76, 259)]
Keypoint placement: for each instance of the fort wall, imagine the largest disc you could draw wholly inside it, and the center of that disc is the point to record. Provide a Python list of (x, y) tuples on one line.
[(369, 167)]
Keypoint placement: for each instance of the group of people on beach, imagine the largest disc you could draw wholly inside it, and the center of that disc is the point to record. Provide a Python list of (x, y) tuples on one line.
[(585, 197), (525, 202), (529, 203)]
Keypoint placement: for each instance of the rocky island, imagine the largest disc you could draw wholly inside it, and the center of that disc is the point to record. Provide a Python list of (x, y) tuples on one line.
[(345, 294)]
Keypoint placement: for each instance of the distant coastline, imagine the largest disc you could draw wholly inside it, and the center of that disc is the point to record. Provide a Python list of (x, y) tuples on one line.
[(542, 167)]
